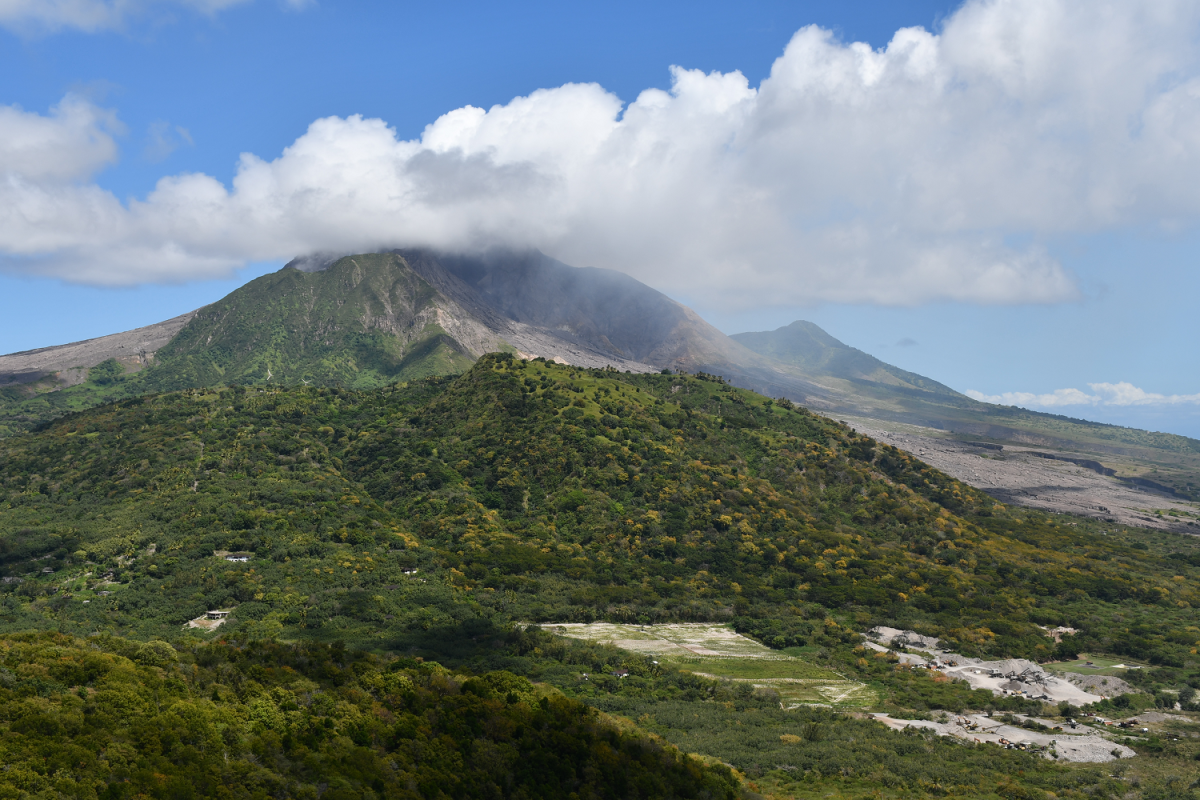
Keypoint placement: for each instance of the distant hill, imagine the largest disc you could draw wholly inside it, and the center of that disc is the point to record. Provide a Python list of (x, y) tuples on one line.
[(854, 384), (805, 345)]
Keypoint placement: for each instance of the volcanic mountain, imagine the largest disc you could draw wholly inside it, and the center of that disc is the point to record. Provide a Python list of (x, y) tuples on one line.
[(369, 320)]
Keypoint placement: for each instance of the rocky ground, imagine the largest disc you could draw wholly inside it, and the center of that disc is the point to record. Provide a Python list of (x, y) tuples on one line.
[(1100, 684), (1008, 676), (1088, 742), (72, 361), (1015, 475), (1082, 744)]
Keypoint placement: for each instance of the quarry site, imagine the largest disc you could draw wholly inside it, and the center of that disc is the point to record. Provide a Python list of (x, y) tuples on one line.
[(1012, 676), (716, 651), (1087, 739)]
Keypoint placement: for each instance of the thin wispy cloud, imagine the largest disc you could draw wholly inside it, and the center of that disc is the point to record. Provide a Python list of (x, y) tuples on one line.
[(42, 17), (93, 16), (1102, 394), (163, 138), (893, 176)]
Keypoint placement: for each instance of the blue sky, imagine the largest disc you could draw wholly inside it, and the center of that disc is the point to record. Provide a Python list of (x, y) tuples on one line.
[(1002, 201)]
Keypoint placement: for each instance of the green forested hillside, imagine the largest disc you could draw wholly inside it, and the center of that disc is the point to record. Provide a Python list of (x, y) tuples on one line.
[(543, 492), (110, 718), (427, 517), (366, 321)]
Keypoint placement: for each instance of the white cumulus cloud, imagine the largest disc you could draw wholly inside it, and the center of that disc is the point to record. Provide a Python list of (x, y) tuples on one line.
[(72, 142), (892, 176), (1103, 394)]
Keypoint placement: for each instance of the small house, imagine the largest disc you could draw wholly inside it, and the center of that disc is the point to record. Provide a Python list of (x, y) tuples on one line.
[(217, 614)]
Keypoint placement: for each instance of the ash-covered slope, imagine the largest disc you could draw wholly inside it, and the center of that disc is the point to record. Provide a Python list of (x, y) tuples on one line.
[(860, 385), (597, 308), (59, 366), (606, 312)]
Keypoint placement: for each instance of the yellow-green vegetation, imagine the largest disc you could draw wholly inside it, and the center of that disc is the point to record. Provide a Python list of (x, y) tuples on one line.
[(556, 494), (425, 518), (109, 718)]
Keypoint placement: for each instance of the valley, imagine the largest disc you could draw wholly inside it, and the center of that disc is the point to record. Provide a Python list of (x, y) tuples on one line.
[(493, 476), (670, 514)]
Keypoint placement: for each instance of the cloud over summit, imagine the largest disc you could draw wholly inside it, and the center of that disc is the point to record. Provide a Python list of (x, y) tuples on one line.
[(894, 176)]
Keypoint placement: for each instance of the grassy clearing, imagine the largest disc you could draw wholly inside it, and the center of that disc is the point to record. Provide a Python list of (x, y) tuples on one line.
[(716, 651), (757, 670), (1099, 665)]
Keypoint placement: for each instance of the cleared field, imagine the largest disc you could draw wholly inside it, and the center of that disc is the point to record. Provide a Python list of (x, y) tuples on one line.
[(716, 651), (1094, 665), (682, 640), (753, 669)]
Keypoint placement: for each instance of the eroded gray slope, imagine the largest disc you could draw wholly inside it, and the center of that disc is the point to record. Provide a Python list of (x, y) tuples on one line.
[(68, 363), (605, 312)]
